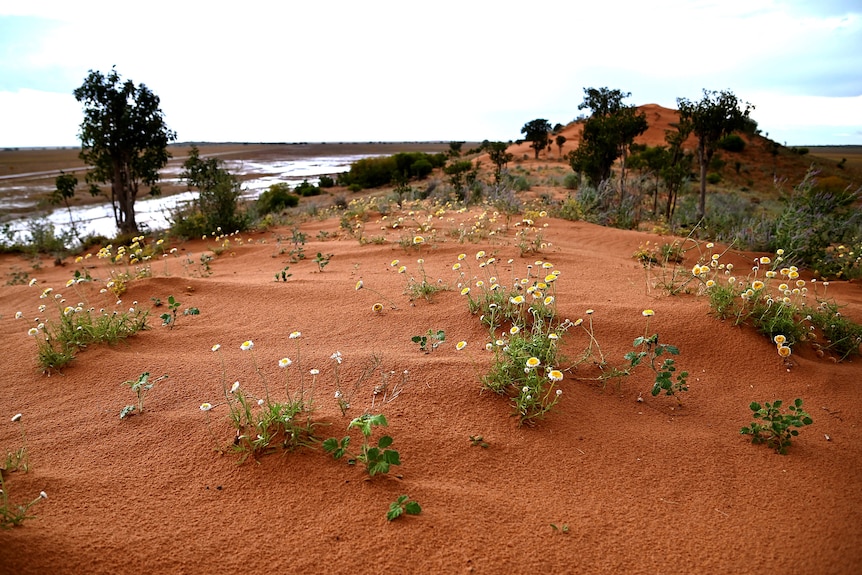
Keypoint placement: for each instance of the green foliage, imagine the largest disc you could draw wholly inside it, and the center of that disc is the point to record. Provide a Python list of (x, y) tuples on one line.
[(713, 178), (560, 141), (423, 288), (478, 441), (458, 174), (523, 369), (140, 387), (601, 205), (608, 132), (369, 172), (536, 132), (326, 181), (777, 428), (812, 222), (306, 189), (219, 192), (716, 115), (283, 275), (276, 199), (170, 318), (571, 181), (732, 143), (13, 515), (843, 335), (44, 238), (58, 341), (322, 260), (648, 347), (262, 425), (124, 138), (376, 459), (430, 341), (376, 172), (498, 155), (401, 506), (752, 303)]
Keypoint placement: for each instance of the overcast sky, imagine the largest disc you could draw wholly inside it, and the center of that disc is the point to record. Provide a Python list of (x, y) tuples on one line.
[(302, 70)]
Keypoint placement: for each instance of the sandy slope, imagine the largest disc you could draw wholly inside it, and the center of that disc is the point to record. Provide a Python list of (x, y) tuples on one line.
[(643, 487)]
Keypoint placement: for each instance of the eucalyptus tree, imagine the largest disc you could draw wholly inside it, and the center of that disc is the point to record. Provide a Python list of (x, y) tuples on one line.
[(536, 132), (124, 140), (716, 115), (608, 133)]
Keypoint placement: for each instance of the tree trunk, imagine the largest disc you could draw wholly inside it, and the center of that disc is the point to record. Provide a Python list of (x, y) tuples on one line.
[(704, 163), (623, 175), (121, 189)]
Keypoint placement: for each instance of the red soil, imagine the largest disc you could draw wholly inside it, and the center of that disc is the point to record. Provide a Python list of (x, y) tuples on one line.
[(644, 487)]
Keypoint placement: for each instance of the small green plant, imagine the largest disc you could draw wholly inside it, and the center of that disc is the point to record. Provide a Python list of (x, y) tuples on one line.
[(18, 459), (322, 260), (648, 347), (562, 528), (376, 459), (478, 441), (14, 515), (430, 340), (261, 424), (170, 319), (17, 277), (401, 506), (777, 428), (140, 387), (78, 327), (423, 288), (297, 253), (842, 334), (283, 275)]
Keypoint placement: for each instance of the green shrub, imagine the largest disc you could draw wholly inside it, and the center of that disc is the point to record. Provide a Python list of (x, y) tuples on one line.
[(326, 182), (713, 178), (843, 336), (219, 193), (188, 222), (370, 172), (814, 220), (571, 181), (276, 199), (732, 143), (306, 189), (421, 169)]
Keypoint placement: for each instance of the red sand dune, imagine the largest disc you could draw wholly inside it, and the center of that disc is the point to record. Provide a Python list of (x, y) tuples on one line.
[(644, 487)]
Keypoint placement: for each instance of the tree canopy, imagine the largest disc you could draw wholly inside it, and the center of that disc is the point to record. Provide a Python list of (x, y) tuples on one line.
[(219, 192), (608, 133), (124, 138), (498, 155), (536, 132), (716, 115)]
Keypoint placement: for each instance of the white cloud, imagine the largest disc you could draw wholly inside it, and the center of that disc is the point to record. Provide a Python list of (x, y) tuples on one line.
[(449, 70), (31, 119)]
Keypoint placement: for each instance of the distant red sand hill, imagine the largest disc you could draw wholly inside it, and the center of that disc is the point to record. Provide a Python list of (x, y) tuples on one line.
[(759, 166), (659, 119)]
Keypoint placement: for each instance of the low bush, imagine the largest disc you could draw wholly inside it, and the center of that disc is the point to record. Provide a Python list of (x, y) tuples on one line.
[(732, 143), (276, 199)]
